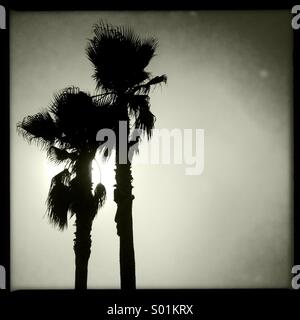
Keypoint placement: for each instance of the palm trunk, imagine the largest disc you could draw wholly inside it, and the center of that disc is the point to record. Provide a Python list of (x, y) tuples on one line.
[(123, 198), (82, 249), (84, 219)]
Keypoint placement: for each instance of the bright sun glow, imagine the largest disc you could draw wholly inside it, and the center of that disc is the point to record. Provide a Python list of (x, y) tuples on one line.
[(102, 171)]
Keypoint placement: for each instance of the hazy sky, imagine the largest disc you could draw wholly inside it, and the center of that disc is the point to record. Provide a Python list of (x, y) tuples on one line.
[(229, 73)]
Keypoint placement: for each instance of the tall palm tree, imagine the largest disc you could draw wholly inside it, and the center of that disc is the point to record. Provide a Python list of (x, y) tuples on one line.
[(120, 58), (67, 131)]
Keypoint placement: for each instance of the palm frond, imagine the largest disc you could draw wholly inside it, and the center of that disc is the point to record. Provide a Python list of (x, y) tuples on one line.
[(105, 99), (145, 121), (79, 116), (145, 88), (58, 155), (134, 147), (59, 200), (62, 177), (137, 102), (70, 104), (100, 195), (139, 108), (119, 56), (39, 128)]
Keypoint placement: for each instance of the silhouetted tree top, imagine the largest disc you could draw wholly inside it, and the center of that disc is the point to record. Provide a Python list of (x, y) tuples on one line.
[(70, 123), (67, 131), (120, 58)]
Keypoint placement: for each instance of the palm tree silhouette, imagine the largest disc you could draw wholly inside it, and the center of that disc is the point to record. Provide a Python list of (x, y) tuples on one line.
[(120, 58), (67, 131)]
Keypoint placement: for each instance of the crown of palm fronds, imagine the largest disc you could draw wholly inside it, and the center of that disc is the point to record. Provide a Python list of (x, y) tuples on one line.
[(119, 57), (78, 115), (68, 132), (71, 122)]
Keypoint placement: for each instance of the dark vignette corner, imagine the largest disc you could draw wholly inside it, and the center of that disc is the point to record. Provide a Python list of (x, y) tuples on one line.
[(296, 95), (5, 150)]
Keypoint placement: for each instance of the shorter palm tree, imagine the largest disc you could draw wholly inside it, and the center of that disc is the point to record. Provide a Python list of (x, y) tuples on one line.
[(67, 131)]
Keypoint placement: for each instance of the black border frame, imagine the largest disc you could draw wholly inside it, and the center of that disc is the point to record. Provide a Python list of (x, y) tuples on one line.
[(99, 300)]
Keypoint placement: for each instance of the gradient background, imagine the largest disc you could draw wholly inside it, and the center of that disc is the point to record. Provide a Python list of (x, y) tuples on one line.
[(229, 73)]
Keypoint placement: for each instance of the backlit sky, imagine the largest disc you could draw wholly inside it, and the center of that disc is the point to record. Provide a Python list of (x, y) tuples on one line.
[(229, 73)]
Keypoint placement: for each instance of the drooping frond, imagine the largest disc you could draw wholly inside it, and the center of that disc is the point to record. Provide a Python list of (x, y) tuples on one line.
[(100, 194), (63, 177), (139, 107), (58, 155), (145, 88), (157, 80), (59, 199), (136, 102), (39, 128), (119, 57), (145, 121)]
